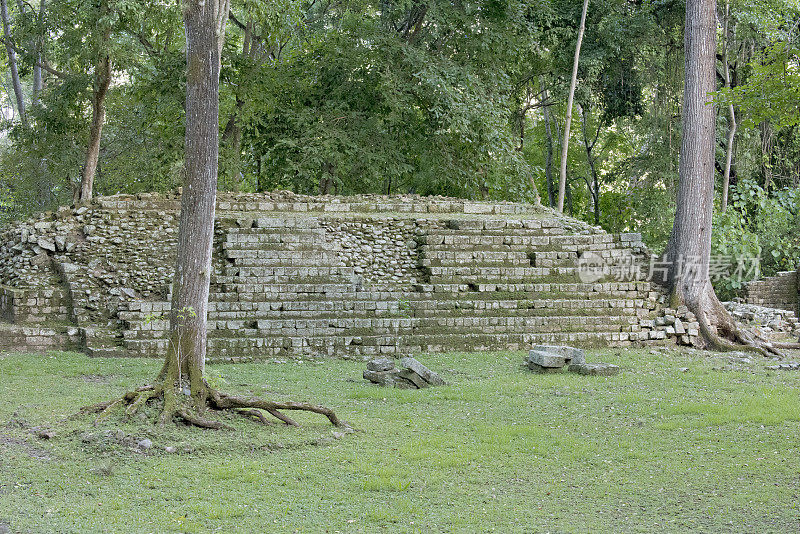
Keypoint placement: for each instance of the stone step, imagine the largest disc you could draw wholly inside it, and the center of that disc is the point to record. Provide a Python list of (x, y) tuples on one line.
[(368, 312), (290, 257), (394, 326), (369, 302), (227, 349), (304, 271)]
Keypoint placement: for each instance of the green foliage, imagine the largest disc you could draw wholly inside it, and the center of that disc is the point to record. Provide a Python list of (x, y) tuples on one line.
[(369, 110), (759, 225), (773, 87), (7, 204)]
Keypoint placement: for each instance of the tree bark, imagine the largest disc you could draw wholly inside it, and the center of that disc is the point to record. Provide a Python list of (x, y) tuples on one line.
[(726, 177), (37, 69), (102, 81), (688, 252), (12, 64), (548, 167), (185, 359), (565, 146)]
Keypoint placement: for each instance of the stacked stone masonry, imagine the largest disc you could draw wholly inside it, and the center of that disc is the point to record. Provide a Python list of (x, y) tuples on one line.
[(358, 277), (781, 291)]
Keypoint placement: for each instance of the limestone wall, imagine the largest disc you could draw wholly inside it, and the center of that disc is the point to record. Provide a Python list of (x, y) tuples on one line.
[(781, 291), (328, 276)]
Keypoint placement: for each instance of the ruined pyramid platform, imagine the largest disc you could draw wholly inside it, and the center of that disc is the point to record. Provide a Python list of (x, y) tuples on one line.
[(298, 276)]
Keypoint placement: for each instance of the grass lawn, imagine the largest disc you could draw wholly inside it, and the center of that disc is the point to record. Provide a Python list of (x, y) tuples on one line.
[(711, 448)]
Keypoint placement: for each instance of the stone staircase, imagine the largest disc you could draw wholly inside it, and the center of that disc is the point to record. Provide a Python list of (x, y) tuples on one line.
[(359, 277), (282, 288)]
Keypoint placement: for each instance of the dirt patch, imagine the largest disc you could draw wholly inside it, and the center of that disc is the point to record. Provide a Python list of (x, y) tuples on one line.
[(27, 448)]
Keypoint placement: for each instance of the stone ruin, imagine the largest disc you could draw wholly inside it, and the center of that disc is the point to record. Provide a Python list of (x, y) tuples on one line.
[(780, 292), (548, 359), (354, 277), (411, 374)]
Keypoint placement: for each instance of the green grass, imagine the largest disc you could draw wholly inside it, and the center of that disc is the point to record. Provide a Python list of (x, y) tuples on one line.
[(712, 449)]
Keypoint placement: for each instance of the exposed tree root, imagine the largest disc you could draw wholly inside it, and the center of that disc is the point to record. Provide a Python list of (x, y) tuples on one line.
[(787, 346), (189, 412), (255, 414), (719, 330)]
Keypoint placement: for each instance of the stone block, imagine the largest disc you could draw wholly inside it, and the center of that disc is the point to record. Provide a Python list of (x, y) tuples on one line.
[(571, 354), (539, 358), (595, 369), (429, 376)]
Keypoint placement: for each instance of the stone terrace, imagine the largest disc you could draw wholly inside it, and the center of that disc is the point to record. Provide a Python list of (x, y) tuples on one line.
[(298, 276)]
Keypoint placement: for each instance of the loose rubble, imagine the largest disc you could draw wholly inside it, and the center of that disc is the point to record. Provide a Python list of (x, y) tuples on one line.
[(411, 374), (544, 359), (786, 366), (767, 321)]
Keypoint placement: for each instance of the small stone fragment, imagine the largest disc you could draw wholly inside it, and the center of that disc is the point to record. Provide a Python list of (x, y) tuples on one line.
[(595, 369), (429, 376), (145, 444)]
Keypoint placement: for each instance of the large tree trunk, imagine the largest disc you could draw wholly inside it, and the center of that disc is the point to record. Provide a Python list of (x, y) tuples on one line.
[(689, 247), (102, 81), (570, 98), (12, 64), (185, 361)]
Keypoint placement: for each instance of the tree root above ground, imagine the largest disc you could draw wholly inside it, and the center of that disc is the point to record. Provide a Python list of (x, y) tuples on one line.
[(719, 330), (189, 411)]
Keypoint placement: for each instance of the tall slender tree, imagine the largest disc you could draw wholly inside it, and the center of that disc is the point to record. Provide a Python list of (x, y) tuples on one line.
[(102, 82), (732, 125), (562, 181), (12, 63)]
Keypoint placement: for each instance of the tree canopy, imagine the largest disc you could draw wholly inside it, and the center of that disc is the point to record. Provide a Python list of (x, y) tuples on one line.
[(463, 98)]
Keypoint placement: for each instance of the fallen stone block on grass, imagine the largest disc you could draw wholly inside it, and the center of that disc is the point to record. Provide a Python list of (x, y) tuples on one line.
[(595, 369), (571, 354), (553, 358), (411, 375), (426, 374)]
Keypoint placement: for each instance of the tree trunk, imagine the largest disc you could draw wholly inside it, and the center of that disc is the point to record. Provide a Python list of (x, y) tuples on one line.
[(102, 81), (565, 146), (232, 134), (726, 177), (37, 69), (765, 128), (594, 188), (185, 359), (548, 168), (689, 249), (12, 64)]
